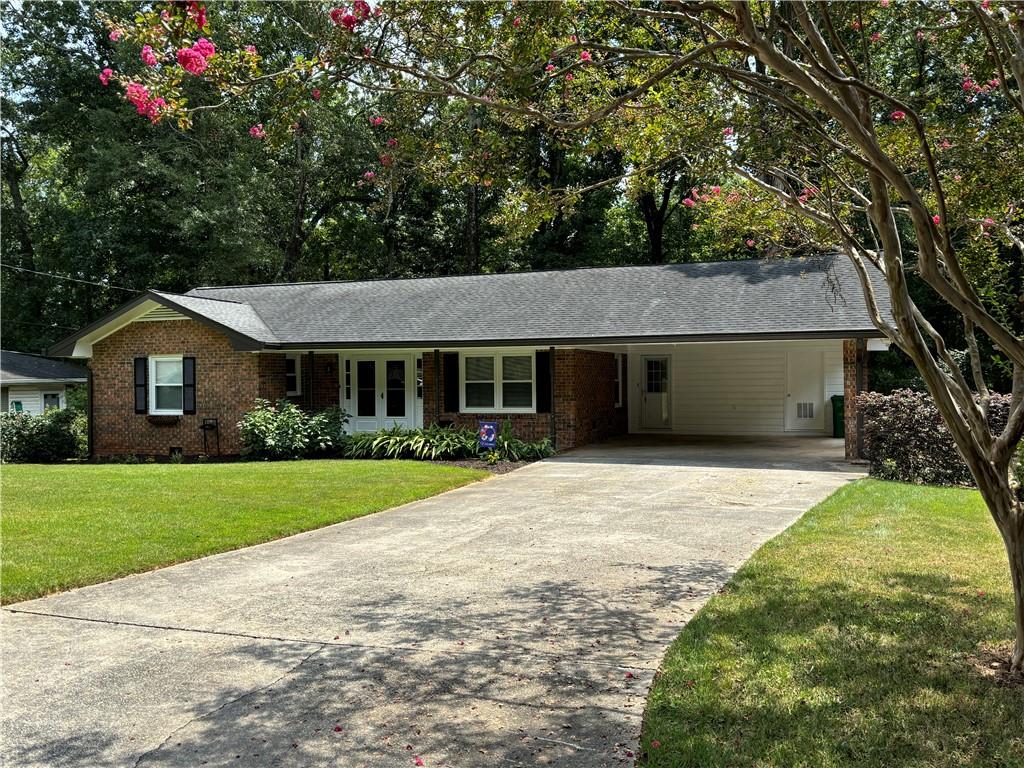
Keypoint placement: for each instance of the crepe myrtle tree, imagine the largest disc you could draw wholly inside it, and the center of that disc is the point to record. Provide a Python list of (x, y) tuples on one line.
[(892, 131)]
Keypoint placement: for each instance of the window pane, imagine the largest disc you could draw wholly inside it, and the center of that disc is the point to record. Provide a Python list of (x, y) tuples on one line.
[(479, 369), (168, 398), (394, 371), (167, 371), (50, 401), (289, 366), (479, 395), (519, 368), (366, 388), (517, 395)]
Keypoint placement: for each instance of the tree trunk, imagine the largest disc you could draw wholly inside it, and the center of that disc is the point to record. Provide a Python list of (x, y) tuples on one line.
[(1013, 537), (654, 220)]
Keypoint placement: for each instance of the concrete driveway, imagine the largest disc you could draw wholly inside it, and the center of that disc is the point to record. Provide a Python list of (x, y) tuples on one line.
[(516, 621)]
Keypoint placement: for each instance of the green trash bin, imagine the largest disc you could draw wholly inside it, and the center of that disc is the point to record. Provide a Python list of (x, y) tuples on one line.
[(838, 420)]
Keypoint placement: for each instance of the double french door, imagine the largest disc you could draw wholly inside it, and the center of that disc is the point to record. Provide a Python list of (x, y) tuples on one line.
[(382, 392)]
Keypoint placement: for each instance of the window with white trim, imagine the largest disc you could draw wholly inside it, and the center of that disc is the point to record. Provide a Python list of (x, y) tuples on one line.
[(498, 382), (51, 400), (293, 375), (166, 386)]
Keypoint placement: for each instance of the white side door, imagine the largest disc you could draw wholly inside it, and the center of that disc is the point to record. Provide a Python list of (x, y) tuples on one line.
[(805, 391), (655, 387), (382, 392)]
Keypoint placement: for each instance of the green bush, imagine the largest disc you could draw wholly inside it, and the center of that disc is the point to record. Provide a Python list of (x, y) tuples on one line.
[(285, 431), (56, 435), (906, 439)]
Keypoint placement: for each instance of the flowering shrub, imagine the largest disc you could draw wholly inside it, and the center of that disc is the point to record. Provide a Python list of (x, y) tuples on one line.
[(56, 435), (285, 431), (906, 439)]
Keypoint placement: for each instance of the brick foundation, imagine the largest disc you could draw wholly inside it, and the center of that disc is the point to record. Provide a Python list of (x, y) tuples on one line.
[(855, 381), (584, 404)]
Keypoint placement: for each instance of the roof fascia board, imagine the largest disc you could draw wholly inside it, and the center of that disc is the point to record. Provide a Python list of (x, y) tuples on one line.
[(567, 341), (19, 382)]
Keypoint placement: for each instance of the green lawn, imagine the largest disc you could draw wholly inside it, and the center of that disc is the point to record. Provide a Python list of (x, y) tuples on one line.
[(65, 526), (848, 641)]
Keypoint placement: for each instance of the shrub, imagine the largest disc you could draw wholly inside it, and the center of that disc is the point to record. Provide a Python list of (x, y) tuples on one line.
[(442, 444), (906, 439), (285, 431), (56, 435)]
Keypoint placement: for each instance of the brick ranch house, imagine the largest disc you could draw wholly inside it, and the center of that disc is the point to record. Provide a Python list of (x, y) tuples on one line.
[(722, 348)]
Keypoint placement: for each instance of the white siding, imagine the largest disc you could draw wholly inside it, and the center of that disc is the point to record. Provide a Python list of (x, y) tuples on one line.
[(732, 388), (31, 397)]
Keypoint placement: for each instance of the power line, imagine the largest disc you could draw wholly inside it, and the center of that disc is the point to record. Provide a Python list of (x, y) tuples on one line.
[(72, 279), (40, 325)]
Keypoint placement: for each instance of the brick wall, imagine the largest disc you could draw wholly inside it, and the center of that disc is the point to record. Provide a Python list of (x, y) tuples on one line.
[(854, 352), (322, 387), (584, 402), (227, 382)]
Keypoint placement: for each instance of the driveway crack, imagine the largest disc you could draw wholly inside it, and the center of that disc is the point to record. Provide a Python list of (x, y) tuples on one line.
[(234, 700)]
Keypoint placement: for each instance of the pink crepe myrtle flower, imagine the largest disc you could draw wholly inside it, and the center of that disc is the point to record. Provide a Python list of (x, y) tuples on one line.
[(418, 761), (342, 18), (192, 61), (386, 160), (573, 38), (989, 221), (898, 115), (689, 202), (570, 76), (369, 175), (750, 243), (716, 190), (856, 25), (165, 15), (315, 93), (251, 50), (919, 35), (727, 131), (115, 34), (366, 50), (876, 36), (361, 10), (585, 56), (392, 142), (257, 131), (936, 219), (144, 104), (986, 4), (549, 68), (197, 12), (204, 48), (377, 120), (884, 3), (945, 144), (147, 56), (105, 76), (517, 22)]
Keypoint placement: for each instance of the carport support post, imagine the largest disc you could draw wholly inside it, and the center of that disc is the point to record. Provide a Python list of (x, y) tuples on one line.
[(309, 384), (551, 419), (855, 381), (437, 386)]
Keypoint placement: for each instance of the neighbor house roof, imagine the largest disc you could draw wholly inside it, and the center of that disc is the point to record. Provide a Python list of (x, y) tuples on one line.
[(23, 368), (724, 300)]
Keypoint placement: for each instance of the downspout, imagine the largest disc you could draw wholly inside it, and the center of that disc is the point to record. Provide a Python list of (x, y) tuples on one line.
[(89, 437), (551, 417), (437, 386)]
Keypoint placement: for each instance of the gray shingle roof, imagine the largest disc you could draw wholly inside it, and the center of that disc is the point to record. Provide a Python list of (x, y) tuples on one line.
[(727, 299), (20, 367), (231, 313)]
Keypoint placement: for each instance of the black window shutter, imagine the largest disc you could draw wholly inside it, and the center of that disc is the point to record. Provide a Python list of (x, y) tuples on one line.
[(543, 381), (188, 390), (450, 367), (141, 371)]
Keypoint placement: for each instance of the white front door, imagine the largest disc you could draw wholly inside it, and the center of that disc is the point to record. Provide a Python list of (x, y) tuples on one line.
[(656, 406), (382, 392), (805, 391)]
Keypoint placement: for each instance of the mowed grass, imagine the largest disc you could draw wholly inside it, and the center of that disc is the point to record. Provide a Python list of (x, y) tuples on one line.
[(849, 641), (66, 526)]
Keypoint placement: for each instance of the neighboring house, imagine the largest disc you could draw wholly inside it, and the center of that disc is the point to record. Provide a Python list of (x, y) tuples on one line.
[(31, 383), (723, 348)]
